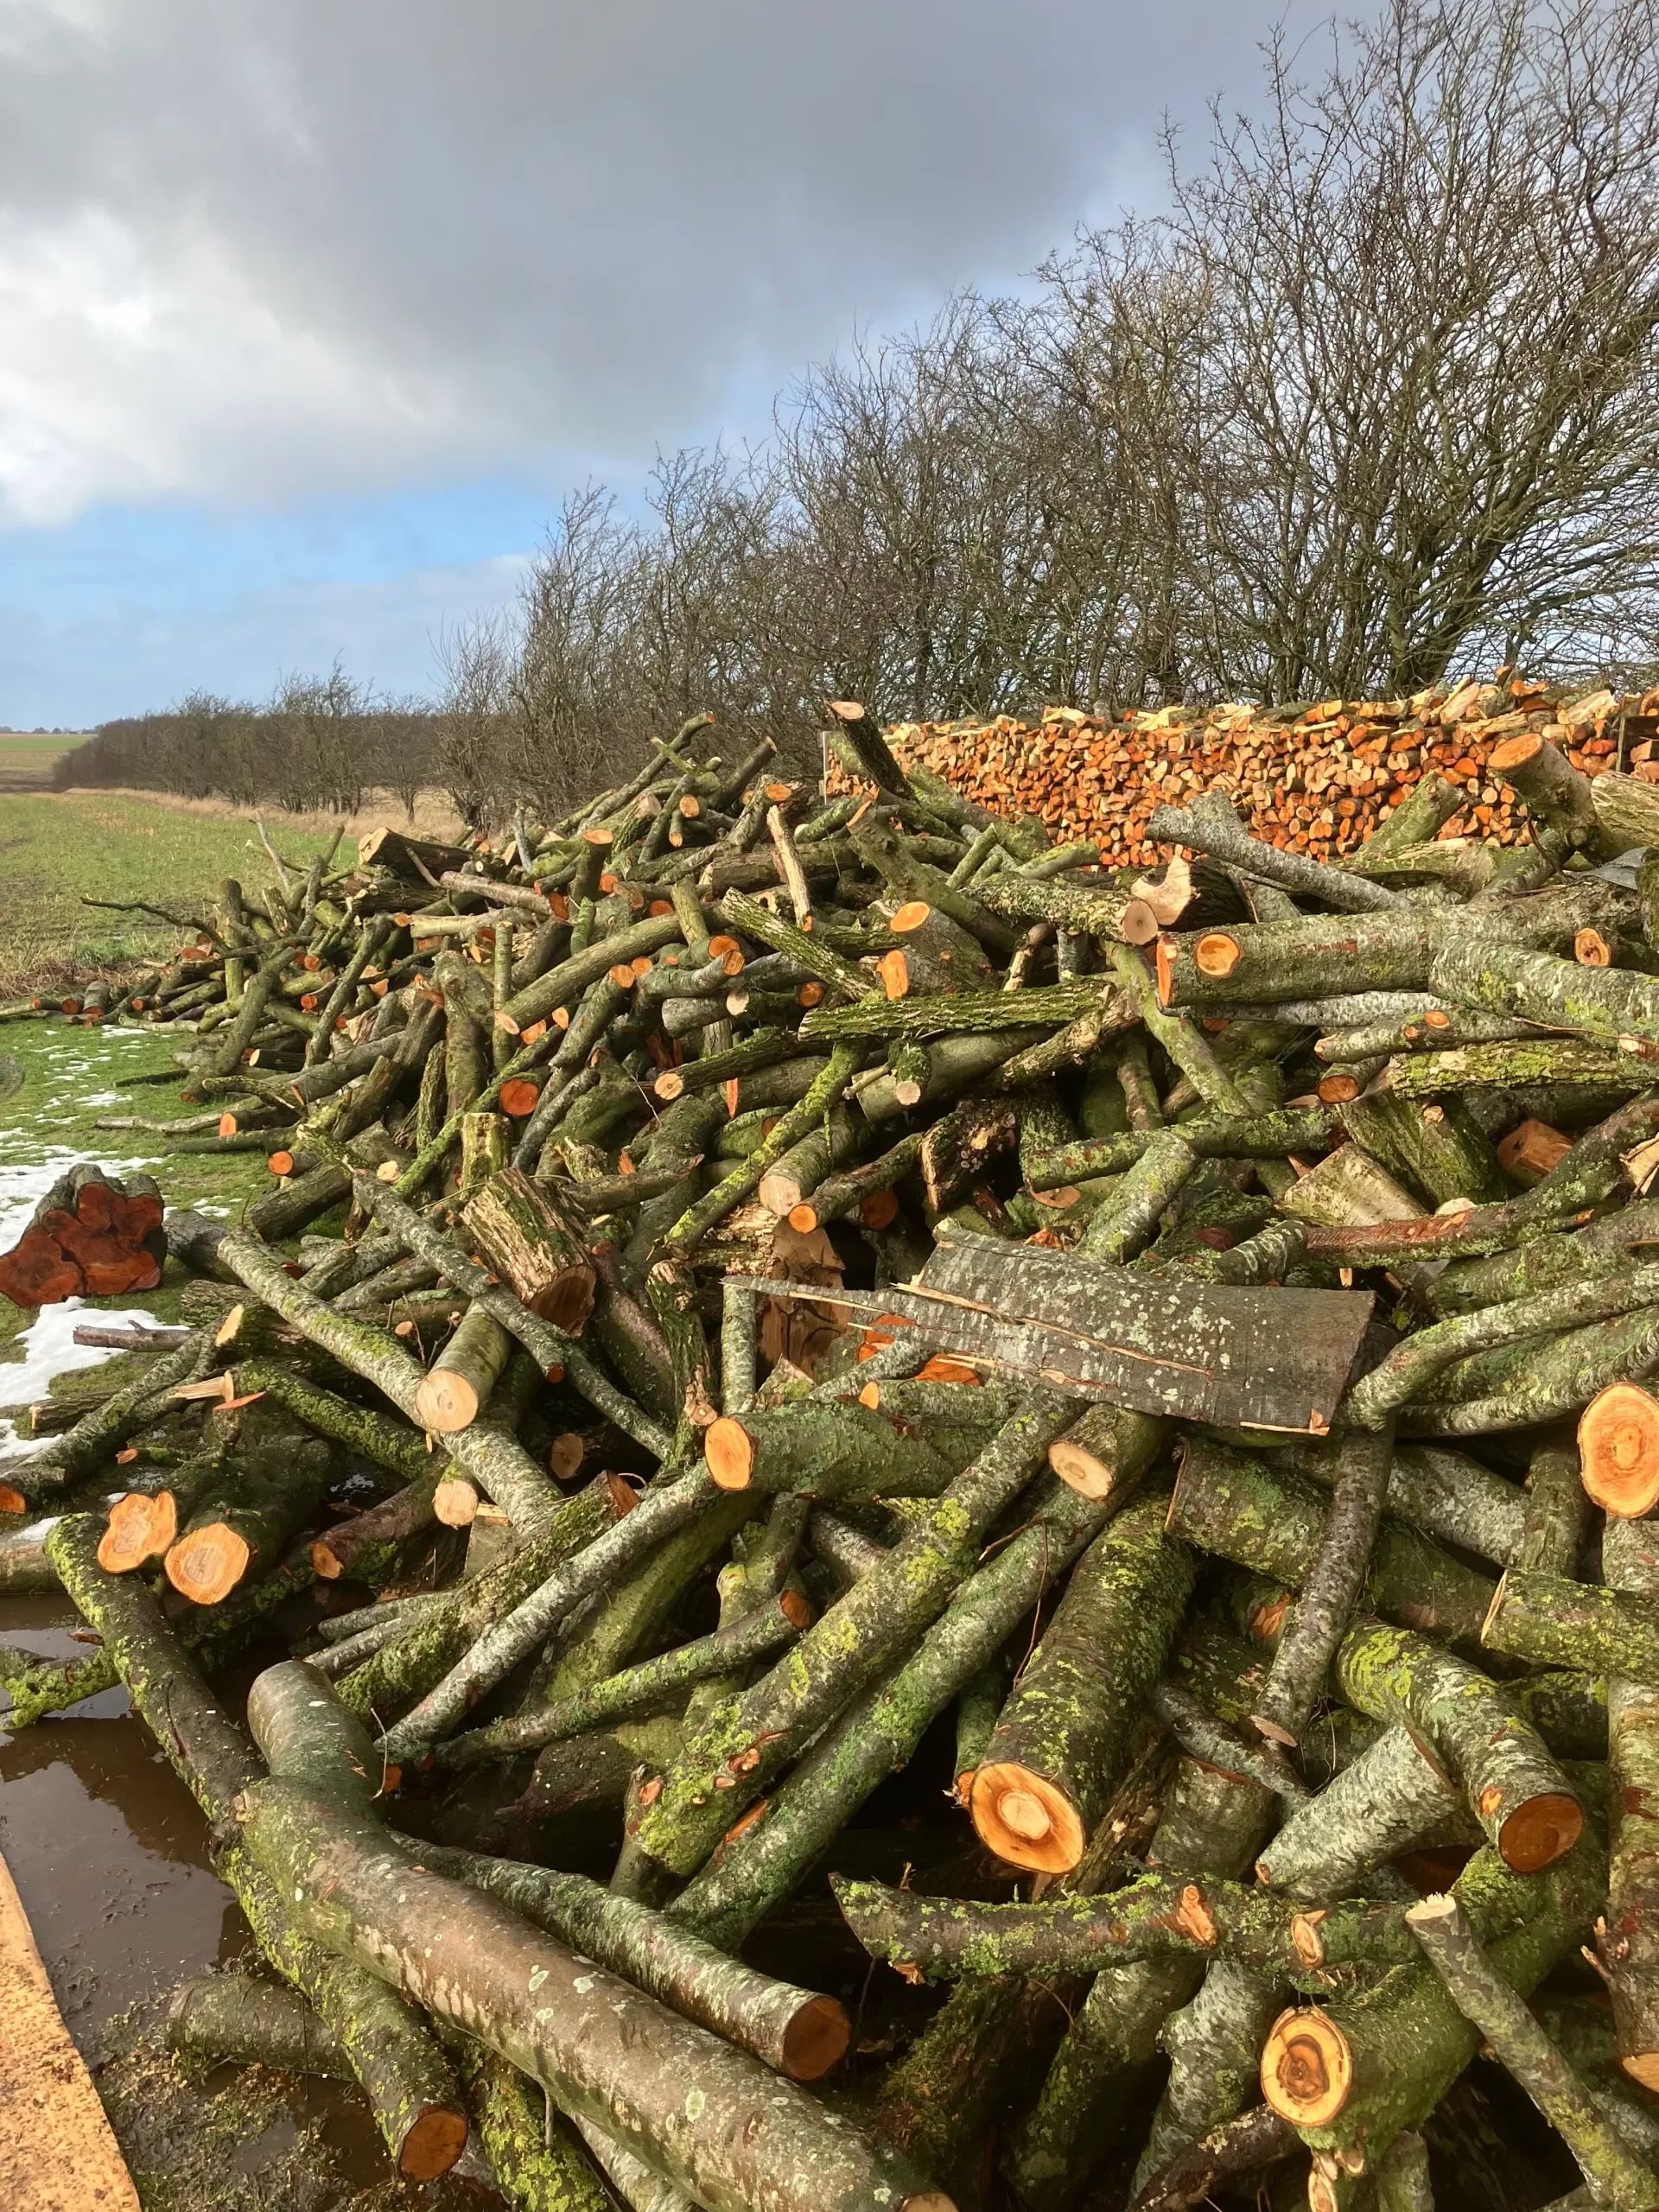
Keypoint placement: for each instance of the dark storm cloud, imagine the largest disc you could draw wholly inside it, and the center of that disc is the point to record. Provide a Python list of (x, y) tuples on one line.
[(257, 251)]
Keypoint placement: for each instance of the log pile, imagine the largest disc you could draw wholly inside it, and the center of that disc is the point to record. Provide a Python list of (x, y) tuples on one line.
[(1316, 779), (823, 1382)]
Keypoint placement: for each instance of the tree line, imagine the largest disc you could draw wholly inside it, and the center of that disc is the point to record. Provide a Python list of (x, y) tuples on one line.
[(1371, 401)]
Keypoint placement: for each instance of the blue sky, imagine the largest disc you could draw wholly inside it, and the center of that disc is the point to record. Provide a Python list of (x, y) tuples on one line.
[(309, 315)]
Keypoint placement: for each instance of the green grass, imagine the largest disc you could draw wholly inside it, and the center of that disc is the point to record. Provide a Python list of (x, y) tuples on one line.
[(54, 852)]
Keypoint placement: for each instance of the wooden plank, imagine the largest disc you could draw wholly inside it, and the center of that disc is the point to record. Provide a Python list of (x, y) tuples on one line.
[(57, 2153), (1238, 1357)]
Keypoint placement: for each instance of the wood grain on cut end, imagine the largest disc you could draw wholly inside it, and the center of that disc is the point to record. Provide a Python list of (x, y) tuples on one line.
[(432, 2145), (1079, 1470), (815, 2039), (1024, 1820), (446, 1403), (1216, 954), (728, 1453), (1513, 752), (1619, 1450), (126, 1542), (1307, 2069), (454, 1503), (206, 1563), (893, 968), (1538, 1832)]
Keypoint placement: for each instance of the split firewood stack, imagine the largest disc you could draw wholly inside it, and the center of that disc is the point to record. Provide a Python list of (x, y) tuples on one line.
[(1318, 779), (830, 1384)]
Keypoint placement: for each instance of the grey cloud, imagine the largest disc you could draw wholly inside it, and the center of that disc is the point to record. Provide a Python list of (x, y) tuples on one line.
[(256, 251)]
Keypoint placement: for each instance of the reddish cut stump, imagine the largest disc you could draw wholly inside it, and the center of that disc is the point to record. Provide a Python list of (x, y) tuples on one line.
[(1619, 1451)]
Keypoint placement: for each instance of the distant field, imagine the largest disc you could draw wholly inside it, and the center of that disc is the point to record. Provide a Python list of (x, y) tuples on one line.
[(26, 758), (110, 845)]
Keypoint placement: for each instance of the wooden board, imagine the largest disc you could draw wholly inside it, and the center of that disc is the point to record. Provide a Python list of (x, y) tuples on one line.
[(57, 2153), (1251, 1357)]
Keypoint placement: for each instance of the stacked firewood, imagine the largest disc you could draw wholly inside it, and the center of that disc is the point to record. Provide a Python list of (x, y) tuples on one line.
[(829, 1382), (1318, 779)]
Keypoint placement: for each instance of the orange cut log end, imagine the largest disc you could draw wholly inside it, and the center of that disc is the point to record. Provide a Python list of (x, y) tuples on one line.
[(126, 1542), (206, 1564), (1307, 2068), (1025, 1819), (1619, 1451), (728, 1453)]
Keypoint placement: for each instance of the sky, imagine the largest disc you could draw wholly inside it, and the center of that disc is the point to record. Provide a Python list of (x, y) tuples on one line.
[(311, 310)]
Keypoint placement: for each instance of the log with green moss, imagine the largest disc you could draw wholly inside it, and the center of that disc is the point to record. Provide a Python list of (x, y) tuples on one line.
[(763, 1861), (946, 1938), (1063, 1740), (1525, 1803), (1238, 1506), (729, 1763), (404, 2076), (1550, 1620), (1488, 2000), (1356, 2068), (741, 2137)]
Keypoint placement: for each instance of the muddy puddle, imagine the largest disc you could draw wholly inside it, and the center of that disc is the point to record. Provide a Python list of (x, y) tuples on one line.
[(106, 1846)]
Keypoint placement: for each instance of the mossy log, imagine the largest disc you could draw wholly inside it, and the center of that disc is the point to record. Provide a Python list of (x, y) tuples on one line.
[(793, 2030), (1410, 1372), (1627, 1936), (743, 2141), (1389, 1800), (515, 1225), (1356, 2069), (1524, 1802), (1481, 1992), (1238, 1506), (730, 1761), (243, 2019), (945, 1938), (1597, 1003), (420, 1655), (1063, 1740), (755, 1636), (760, 1862), (1535, 1379), (826, 1451), (405, 2078), (1331, 1588), (1550, 1620), (452, 1393), (1211, 1136)]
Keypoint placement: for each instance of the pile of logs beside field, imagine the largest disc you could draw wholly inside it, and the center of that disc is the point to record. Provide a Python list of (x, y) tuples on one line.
[(1315, 778), (828, 1384)]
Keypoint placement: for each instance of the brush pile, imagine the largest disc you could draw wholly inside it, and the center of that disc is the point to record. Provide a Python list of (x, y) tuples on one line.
[(1318, 780), (828, 1383)]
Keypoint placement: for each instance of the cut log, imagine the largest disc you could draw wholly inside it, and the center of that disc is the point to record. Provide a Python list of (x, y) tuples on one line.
[(453, 1393), (514, 1224)]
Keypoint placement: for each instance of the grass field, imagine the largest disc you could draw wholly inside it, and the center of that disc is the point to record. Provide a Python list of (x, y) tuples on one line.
[(55, 851), (26, 758)]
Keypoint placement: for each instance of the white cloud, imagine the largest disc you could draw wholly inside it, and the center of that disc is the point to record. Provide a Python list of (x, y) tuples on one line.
[(250, 253)]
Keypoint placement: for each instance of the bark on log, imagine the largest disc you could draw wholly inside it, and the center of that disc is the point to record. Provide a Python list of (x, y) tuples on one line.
[(729, 1763), (403, 2075), (745, 2142), (1627, 1935), (1490, 2003), (1526, 1806), (1063, 1740), (514, 1225)]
